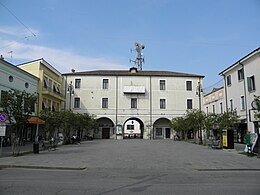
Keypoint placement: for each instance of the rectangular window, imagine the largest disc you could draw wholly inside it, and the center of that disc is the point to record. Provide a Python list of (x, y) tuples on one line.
[(189, 104), (229, 80), (104, 102), (251, 83), (189, 85), (221, 108), (54, 87), (162, 103), (50, 83), (213, 109), (240, 74), (77, 83), (207, 110), (133, 102), (243, 103), (130, 127), (158, 132), (76, 102), (45, 82), (231, 105), (162, 84), (105, 83)]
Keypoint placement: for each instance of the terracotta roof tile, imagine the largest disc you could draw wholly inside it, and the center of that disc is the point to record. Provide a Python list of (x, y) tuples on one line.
[(138, 73)]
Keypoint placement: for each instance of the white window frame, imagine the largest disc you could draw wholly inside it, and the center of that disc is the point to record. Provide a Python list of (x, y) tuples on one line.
[(162, 103), (77, 83), (251, 83), (229, 80), (133, 103), (240, 74), (104, 103), (105, 85), (242, 102), (188, 105), (187, 86), (76, 102), (162, 84)]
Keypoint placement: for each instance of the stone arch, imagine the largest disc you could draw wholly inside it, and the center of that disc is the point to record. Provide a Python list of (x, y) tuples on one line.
[(162, 129), (105, 128), (138, 130)]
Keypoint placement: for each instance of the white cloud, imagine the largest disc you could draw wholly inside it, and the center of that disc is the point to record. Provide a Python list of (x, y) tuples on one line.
[(62, 60), (17, 32)]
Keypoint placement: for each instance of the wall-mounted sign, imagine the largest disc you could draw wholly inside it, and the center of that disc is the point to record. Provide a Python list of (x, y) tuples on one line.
[(3, 117), (2, 130)]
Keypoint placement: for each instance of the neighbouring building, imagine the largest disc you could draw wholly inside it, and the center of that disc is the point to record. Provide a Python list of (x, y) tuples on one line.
[(132, 103), (214, 102), (242, 83), (51, 95), (14, 78)]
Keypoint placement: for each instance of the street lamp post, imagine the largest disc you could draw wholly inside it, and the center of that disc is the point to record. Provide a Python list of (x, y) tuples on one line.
[(198, 93), (71, 92)]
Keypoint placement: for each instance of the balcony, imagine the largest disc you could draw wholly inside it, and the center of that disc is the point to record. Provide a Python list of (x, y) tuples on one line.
[(53, 92)]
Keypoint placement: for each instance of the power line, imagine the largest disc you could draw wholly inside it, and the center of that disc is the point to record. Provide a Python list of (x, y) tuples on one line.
[(18, 19)]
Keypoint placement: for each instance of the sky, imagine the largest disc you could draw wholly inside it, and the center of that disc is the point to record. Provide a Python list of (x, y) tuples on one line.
[(190, 36)]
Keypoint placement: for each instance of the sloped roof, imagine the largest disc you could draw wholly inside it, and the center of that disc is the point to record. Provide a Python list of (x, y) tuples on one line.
[(240, 61), (129, 73)]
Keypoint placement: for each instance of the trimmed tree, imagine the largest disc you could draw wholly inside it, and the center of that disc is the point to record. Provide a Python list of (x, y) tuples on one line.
[(20, 105)]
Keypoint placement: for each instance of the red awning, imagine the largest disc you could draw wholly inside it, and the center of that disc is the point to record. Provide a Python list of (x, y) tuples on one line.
[(35, 120)]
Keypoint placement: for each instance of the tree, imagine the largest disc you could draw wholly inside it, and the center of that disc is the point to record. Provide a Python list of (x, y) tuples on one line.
[(66, 122), (211, 122), (257, 100), (195, 120), (226, 120), (180, 125), (20, 105)]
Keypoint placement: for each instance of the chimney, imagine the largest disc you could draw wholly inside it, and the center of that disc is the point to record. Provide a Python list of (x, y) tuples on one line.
[(1, 57), (73, 70)]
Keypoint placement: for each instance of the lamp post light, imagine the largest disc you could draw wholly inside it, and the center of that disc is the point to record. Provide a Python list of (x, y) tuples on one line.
[(198, 93), (70, 90)]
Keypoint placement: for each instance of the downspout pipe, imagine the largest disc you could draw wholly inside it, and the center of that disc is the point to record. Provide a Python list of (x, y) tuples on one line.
[(245, 93), (151, 120), (225, 83)]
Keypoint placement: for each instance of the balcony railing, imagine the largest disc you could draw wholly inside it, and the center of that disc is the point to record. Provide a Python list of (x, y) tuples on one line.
[(50, 91)]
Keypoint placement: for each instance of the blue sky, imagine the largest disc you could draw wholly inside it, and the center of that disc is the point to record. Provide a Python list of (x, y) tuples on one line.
[(191, 36)]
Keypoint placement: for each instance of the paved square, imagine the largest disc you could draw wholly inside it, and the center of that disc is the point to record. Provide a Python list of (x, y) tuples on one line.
[(132, 166)]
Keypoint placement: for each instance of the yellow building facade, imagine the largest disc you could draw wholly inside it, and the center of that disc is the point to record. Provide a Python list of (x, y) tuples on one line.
[(50, 86)]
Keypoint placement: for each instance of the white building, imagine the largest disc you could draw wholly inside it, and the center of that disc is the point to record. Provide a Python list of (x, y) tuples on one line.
[(214, 102), (115, 97), (242, 82)]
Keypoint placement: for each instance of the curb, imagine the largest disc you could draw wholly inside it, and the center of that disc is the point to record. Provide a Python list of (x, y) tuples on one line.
[(44, 167)]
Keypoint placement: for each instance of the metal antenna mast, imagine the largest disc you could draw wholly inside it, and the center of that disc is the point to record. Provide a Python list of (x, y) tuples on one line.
[(139, 60)]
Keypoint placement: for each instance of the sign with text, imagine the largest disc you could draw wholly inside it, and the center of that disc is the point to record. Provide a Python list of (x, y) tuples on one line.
[(2, 130)]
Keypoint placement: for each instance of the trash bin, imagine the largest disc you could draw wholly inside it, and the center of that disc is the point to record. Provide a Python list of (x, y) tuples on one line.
[(36, 148)]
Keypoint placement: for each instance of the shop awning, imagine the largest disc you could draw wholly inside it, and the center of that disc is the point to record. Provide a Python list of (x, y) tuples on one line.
[(35, 120)]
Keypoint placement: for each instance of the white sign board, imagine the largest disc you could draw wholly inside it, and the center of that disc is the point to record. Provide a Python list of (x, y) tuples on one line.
[(2, 130)]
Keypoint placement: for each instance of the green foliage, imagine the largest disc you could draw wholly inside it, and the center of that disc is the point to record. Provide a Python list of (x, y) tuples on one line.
[(257, 100), (227, 120), (66, 122), (18, 104), (195, 119), (211, 121), (198, 120)]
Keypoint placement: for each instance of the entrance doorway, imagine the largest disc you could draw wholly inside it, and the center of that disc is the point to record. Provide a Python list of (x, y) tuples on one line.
[(167, 133), (105, 133), (133, 129)]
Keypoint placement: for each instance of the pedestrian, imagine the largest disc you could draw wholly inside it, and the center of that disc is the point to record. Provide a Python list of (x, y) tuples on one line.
[(248, 143)]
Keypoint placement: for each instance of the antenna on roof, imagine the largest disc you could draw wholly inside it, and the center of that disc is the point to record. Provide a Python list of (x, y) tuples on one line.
[(139, 60)]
